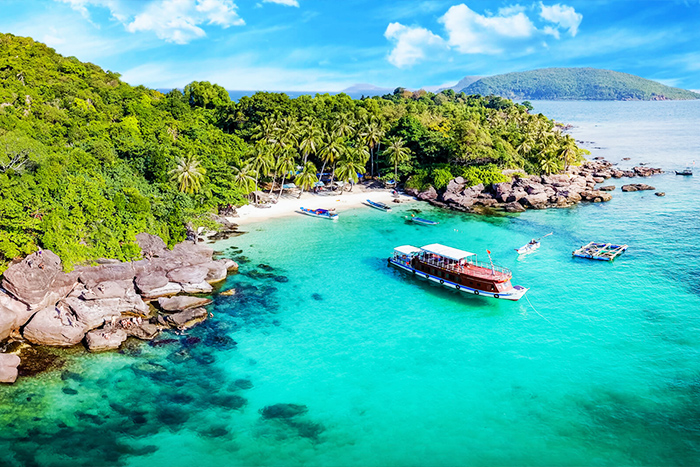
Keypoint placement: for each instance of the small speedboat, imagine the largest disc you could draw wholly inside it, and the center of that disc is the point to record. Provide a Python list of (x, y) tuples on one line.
[(378, 205), (323, 213), (532, 245), (421, 221), (687, 171)]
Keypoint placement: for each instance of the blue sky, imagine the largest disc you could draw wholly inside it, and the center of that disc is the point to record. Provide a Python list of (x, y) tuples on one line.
[(328, 45)]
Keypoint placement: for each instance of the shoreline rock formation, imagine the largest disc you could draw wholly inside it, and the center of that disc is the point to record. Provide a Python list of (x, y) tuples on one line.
[(578, 184), (103, 305)]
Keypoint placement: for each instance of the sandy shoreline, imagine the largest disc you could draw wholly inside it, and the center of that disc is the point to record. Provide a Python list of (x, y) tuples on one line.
[(288, 205)]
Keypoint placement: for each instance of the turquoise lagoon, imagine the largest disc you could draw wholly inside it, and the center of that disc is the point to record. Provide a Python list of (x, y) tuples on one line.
[(599, 366)]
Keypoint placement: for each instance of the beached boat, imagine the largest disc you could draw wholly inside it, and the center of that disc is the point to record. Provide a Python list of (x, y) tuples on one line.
[(323, 213), (456, 269), (533, 245), (378, 205), (421, 221)]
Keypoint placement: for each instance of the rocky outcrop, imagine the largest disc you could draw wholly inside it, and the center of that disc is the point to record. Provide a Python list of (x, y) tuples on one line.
[(660, 193), (151, 245), (533, 192), (646, 171), (101, 340), (55, 325), (8, 367), (637, 187), (170, 288), (38, 280), (182, 302)]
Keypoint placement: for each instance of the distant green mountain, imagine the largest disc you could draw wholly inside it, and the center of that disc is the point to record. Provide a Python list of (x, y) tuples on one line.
[(575, 84)]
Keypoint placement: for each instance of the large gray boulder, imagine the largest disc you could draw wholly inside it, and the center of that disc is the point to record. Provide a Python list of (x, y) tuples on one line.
[(189, 274), (181, 302), (218, 271), (38, 280), (93, 313), (8, 367), (13, 314), (92, 276), (102, 339), (456, 185), (202, 287), (186, 319), (191, 253), (171, 288), (513, 207), (55, 325), (145, 331), (230, 264), (108, 289), (427, 195), (151, 245), (149, 281)]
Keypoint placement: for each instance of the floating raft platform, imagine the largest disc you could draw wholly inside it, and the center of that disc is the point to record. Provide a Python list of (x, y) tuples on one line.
[(600, 251)]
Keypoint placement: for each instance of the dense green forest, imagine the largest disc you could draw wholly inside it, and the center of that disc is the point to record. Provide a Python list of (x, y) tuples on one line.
[(88, 161), (575, 84)]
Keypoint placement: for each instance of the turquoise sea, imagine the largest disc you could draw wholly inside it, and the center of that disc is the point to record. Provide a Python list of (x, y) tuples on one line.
[(599, 366)]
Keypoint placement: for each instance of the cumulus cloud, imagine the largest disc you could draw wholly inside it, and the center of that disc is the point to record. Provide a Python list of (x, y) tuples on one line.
[(411, 44), (563, 16), (177, 21), (472, 33), (284, 2), (509, 30)]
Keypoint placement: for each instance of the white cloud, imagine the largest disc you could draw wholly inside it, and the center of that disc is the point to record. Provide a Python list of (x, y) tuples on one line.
[(412, 44), (470, 32), (510, 31), (284, 2), (563, 15), (175, 21)]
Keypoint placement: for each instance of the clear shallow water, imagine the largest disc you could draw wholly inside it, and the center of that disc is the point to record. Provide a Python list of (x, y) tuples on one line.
[(602, 368)]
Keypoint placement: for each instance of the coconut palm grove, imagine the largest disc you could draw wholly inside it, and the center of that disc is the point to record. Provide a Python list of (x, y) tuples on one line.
[(88, 161)]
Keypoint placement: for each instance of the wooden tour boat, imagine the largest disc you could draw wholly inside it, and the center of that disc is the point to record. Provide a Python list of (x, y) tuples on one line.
[(458, 270), (378, 205), (323, 213)]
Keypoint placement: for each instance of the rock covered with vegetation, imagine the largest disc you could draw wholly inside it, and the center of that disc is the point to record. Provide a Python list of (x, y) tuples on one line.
[(575, 84)]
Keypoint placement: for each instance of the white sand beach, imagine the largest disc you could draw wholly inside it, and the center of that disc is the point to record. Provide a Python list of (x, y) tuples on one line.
[(290, 204)]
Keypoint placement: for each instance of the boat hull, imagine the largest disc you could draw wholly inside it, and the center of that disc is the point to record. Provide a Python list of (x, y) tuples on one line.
[(529, 248), (320, 216), (514, 295), (378, 207)]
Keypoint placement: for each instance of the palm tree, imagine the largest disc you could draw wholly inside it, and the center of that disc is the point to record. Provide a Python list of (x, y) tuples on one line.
[(352, 163), (245, 178), (343, 126), (333, 148), (260, 160), (397, 153), (307, 178), (310, 139), (285, 165), (569, 151), (371, 134), (188, 174)]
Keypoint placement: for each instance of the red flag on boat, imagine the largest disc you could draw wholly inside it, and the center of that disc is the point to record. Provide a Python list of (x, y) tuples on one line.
[(487, 251)]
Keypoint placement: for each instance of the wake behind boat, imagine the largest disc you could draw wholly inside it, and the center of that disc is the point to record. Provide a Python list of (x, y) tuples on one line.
[(378, 205), (323, 213), (458, 270)]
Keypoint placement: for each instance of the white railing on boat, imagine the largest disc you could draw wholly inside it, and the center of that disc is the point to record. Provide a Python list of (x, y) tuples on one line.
[(479, 268)]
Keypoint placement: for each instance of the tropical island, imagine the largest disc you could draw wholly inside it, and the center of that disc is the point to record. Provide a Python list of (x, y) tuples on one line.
[(88, 161), (575, 84)]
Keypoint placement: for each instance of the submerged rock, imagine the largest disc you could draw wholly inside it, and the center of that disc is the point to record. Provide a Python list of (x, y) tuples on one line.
[(283, 411)]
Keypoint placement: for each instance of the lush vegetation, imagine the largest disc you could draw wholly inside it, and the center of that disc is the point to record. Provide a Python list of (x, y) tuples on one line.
[(575, 83), (87, 161)]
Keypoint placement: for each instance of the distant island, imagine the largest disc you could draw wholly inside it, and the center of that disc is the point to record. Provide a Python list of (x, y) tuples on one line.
[(575, 84)]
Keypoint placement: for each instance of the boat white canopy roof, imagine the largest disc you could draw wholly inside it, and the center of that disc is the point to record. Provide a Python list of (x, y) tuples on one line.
[(447, 251), (407, 250)]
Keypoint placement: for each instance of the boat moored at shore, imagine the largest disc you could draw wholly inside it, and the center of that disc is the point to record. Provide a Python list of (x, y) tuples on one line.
[(378, 205), (323, 213), (456, 269)]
